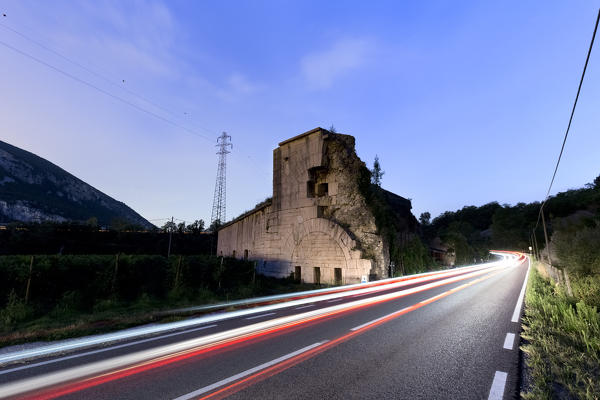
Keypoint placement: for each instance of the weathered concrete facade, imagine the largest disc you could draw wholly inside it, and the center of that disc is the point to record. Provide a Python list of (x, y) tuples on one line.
[(317, 226)]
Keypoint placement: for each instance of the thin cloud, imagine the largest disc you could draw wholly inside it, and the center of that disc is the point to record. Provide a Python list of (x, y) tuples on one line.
[(321, 69)]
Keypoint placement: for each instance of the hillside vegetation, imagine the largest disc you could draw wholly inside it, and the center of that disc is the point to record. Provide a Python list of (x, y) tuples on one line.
[(472, 231)]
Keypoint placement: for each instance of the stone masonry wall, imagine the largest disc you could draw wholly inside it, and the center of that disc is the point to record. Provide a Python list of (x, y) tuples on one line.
[(317, 221)]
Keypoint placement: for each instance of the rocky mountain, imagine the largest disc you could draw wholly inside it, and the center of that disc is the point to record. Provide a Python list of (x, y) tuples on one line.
[(33, 189)]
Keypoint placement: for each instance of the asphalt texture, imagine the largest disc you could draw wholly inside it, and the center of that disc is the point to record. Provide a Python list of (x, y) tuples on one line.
[(448, 349)]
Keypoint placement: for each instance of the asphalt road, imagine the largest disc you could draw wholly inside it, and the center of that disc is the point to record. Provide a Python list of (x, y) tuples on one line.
[(440, 338)]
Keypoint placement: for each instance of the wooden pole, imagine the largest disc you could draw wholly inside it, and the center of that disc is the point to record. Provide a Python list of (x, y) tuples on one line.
[(177, 272), (546, 237), (29, 281), (114, 282)]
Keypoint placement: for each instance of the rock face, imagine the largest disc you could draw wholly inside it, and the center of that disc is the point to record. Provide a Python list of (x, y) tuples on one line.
[(35, 190), (318, 225)]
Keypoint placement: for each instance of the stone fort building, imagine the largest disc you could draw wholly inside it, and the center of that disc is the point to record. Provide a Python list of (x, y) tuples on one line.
[(319, 225)]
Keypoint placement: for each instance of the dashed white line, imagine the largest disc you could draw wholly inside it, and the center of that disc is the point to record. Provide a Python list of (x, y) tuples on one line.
[(261, 315), (250, 371), (497, 389), (334, 300), (300, 308), (509, 341), (87, 353), (517, 312)]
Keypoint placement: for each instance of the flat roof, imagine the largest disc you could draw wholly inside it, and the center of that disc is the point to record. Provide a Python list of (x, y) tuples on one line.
[(317, 129)]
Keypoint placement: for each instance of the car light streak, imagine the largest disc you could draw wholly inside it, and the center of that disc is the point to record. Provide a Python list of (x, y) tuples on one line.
[(143, 360), (268, 372), (77, 344)]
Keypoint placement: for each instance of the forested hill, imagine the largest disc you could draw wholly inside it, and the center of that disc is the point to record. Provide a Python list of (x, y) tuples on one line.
[(33, 189), (472, 231)]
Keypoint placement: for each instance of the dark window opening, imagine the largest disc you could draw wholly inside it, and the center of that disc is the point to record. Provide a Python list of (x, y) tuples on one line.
[(317, 275), (233, 254), (322, 189), (298, 274), (321, 210), (310, 189), (337, 273), (245, 254)]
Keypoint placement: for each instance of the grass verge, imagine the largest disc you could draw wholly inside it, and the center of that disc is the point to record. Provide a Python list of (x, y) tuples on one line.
[(561, 342), (19, 324)]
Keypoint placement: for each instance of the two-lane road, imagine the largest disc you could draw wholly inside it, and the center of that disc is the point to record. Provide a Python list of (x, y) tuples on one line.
[(448, 335)]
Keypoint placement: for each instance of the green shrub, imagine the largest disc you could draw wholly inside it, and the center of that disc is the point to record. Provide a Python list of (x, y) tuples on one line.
[(15, 311), (563, 346)]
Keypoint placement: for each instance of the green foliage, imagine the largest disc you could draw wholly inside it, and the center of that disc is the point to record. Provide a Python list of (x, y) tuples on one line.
[(577, 244), (65, 285), (407, 251), (15, 311), (376, 173), (563, 343)]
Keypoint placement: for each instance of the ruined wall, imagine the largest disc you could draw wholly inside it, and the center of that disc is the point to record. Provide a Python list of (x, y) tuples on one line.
[(317, 221)]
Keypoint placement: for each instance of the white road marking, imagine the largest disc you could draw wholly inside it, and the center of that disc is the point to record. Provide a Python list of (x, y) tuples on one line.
[(247, 372), (509, 341), (300, 308), (334, 300), (75, 344), (517, 313), (497, 390), (377, 320), (261, 315), (87, 353)]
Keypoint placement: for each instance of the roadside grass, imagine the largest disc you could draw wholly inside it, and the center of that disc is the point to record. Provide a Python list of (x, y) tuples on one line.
[(562, 341), (20, 323)]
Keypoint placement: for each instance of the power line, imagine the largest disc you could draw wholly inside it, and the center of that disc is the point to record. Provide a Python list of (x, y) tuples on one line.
[(91, 85), (99, 75), (541, 212), (105, 92), (570, 119)]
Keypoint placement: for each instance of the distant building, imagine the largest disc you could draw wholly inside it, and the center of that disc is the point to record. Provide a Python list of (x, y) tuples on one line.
[(318, 226)]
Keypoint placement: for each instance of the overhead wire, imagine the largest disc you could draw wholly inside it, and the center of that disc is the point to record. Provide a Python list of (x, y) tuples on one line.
[(105, 92), (99, 75), (540, 216)]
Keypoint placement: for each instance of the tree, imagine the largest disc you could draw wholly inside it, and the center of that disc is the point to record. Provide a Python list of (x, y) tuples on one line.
[(215, 226), (597, 182), (425, 218), (332, 129), (196, 227), (376, 172), (169, 226)]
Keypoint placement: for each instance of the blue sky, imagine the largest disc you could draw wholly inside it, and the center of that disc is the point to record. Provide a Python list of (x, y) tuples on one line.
[(463, 102)]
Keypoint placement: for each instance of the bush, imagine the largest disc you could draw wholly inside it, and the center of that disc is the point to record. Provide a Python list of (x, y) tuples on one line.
[(563, 346), (15, 311)]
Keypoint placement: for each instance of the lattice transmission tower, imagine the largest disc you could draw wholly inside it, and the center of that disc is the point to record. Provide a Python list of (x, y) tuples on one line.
[(219, 201)]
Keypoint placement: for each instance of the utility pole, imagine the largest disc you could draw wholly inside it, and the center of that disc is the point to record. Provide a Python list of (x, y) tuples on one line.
[(170, 237), (219, 201), (546, 237)]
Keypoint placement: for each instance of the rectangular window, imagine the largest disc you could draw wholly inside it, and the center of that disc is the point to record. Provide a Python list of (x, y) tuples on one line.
[(245, 254), (322, 189), (317, 275), (233, 254), (310, 189), (321, 211), (337, 272), (298, 274)]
